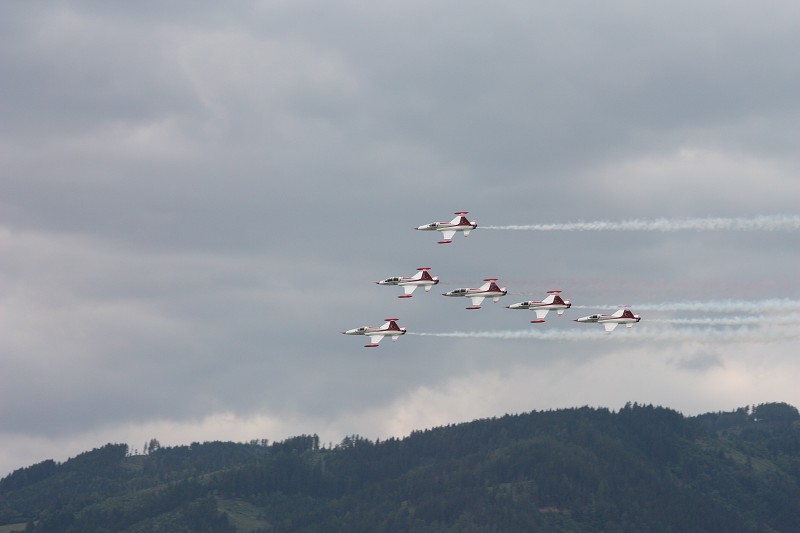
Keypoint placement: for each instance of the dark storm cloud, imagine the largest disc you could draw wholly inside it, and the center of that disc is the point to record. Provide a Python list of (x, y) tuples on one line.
[(538, 85)]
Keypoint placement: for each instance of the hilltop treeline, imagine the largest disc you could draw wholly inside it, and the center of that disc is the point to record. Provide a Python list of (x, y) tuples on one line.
[(642, 468)]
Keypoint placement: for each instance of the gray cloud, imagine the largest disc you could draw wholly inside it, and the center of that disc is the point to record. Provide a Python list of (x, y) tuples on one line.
[(196, 199), (700, 362)]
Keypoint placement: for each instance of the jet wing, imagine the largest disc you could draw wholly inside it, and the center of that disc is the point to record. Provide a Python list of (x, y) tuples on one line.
[(610, 326), (409, 289), (477, 300), (375, 339), (541, 313), (448, 234)]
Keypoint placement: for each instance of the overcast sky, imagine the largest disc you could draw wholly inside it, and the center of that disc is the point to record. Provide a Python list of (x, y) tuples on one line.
[(196, 198)]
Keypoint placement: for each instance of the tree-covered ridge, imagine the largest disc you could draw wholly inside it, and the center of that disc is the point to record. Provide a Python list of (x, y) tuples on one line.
[(642, 468)]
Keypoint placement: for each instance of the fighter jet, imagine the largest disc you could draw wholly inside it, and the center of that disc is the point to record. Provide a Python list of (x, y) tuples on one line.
[(621, 316), (551, 303), (487, 290), (420, 279), (376, 334), (448, 229)]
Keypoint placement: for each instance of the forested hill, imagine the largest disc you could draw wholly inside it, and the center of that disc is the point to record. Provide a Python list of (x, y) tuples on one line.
[(642, 468)]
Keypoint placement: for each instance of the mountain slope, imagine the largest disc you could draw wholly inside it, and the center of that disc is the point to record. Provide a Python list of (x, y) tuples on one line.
[(641, 468)]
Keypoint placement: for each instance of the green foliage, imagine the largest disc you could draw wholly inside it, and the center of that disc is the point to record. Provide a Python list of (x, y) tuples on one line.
[(26, 476), (643, 468)]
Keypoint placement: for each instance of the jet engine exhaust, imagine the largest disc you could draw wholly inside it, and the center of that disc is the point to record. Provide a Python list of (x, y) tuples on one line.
[(714, 306), (758, 223), (728, 335)]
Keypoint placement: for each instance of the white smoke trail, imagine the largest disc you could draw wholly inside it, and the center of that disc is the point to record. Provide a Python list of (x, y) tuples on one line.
[(731, 321), (549, 335), (758, 223), (718, 306), (742, 334)]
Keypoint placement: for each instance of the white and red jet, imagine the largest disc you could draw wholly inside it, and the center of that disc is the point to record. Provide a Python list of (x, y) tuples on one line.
[(553, 302), (487, 290), (621, 316), (376, 334), (448, 229), (420, 279)]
